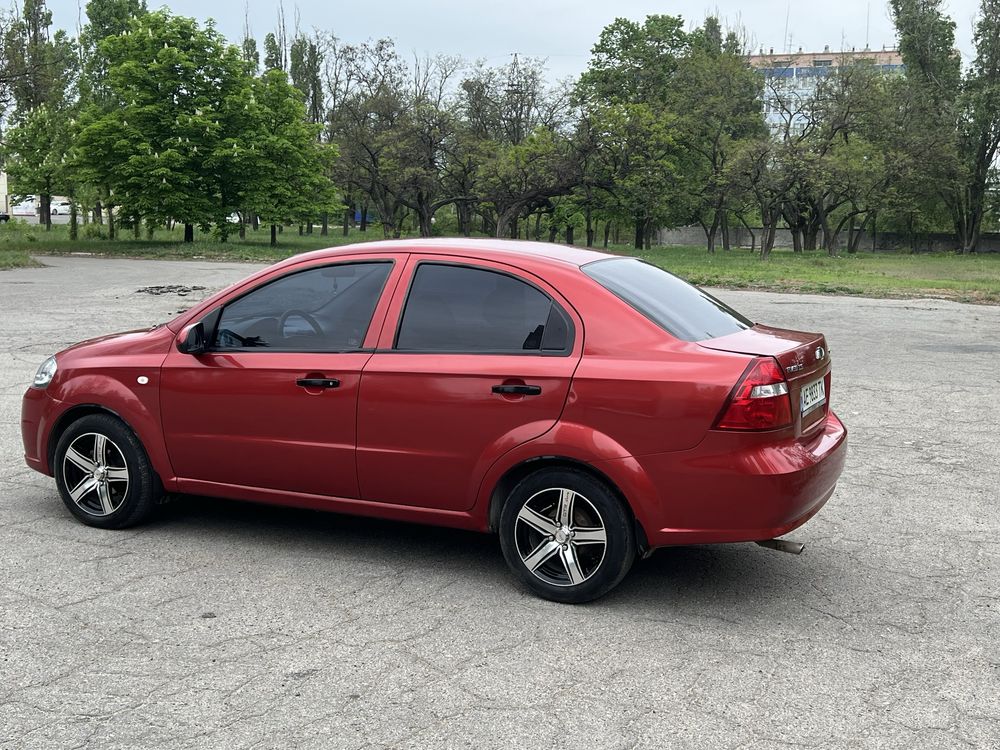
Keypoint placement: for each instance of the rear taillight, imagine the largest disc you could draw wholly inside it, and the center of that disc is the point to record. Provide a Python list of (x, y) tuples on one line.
[(759, 401)]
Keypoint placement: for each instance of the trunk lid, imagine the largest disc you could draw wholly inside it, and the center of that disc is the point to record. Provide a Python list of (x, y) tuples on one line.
[(804, 358)]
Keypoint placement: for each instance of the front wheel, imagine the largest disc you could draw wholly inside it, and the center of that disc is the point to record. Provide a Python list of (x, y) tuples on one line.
[(567, 535), (103, 473)]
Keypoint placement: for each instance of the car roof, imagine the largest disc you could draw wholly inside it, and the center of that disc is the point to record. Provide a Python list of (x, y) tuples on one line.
[(484, 249)]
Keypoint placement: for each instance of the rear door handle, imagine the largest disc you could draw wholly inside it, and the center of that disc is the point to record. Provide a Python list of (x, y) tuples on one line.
[(318, 382), (521, 390)]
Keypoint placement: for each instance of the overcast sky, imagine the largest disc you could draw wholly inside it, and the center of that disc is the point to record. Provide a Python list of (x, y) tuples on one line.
[(559, 30)]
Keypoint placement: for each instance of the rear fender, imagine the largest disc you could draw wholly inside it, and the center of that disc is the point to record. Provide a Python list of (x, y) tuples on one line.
[(576, 444)]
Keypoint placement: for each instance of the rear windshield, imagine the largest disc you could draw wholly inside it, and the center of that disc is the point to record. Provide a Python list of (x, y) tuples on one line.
[(682, 310)]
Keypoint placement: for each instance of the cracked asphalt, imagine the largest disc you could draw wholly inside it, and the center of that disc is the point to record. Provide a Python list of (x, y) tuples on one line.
[(231, 625)]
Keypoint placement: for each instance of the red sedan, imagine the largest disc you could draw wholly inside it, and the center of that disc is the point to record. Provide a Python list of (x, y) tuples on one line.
[(588, 408)]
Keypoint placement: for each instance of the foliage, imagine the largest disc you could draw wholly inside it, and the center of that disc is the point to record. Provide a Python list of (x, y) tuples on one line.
[(187, 134), (153, 119)]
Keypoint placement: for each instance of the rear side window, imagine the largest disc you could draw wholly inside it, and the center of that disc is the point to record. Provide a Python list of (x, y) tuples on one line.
[(453, 308), (682, 310)]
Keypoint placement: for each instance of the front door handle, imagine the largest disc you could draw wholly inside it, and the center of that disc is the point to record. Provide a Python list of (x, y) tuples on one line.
[(520, 390), (318, 382)]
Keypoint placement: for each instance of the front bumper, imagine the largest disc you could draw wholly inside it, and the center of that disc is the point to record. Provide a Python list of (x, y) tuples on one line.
[(37, 410)]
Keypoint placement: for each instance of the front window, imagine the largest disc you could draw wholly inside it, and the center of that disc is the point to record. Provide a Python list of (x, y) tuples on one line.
[(322, 309)]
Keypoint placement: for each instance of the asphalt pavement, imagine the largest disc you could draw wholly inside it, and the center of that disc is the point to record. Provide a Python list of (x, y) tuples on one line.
[(230, 625)]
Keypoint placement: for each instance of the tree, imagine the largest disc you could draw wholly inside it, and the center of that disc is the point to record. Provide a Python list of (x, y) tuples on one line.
[(716, 97), (635, 63), (105, 18), (42, 68), (765, 169), (524, 177), (35, 154), (173, 86), (641, 166), (290, 162), (961, 117), (305, 70), (979, 129)]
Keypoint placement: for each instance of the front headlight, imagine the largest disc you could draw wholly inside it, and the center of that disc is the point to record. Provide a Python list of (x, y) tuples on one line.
[(45, 373)]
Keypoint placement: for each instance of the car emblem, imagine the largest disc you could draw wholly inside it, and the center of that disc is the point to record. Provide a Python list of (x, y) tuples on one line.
[(820, 353)]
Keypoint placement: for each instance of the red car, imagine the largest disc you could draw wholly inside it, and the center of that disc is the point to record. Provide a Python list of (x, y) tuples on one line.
[(588, 408)]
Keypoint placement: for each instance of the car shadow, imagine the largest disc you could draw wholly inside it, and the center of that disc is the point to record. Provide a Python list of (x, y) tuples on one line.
[(723, 582)]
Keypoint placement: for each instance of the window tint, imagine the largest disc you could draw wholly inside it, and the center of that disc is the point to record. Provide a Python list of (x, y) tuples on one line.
[(462, 309), (322, 309), (679, 308)]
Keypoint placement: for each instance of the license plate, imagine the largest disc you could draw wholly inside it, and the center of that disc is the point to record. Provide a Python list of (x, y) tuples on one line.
[(812, 395)]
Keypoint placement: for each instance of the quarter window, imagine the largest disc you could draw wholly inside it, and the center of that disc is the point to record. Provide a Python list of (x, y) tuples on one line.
[(453, 308), (323, 309)]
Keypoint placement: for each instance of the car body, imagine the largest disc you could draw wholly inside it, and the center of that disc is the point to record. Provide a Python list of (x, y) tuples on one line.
[(60, 207), (395, 380)]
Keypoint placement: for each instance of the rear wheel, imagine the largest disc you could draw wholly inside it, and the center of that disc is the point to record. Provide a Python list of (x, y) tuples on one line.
[(103, 473), (567, 535)]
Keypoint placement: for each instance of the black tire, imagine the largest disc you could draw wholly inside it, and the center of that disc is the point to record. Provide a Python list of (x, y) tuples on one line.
[(531, 531), (123, 502)]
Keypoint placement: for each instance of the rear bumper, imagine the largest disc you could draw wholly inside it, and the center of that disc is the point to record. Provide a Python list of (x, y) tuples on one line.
[(742, 488)]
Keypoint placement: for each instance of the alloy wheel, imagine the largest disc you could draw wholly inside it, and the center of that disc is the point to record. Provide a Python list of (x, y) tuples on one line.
[(95, 474), (560, 537)]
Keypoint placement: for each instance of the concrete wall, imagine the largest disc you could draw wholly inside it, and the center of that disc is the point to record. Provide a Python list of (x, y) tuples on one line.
[(883, 242)]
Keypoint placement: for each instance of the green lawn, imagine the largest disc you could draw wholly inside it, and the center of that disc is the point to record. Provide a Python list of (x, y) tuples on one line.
[(969, 278), (974, 278)]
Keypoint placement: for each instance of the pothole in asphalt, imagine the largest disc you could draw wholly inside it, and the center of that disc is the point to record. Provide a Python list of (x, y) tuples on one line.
[(179, 289)]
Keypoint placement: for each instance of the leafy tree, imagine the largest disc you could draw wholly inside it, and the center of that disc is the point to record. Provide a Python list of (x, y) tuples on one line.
[(960, 117), (635, 63), (305, 70), (524, 177), (641, 162), (42, 69), (764, 169), (35, 153), (979, 129), (365, 125), (717, 99), (105, 18), (274, 53), (285, 154), (172, 85)]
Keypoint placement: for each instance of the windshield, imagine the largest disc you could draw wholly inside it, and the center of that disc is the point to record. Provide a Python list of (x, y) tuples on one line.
[(682, 310)]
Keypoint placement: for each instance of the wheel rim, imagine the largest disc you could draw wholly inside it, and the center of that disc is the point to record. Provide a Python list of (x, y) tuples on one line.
[(560, 537), (95, 474)]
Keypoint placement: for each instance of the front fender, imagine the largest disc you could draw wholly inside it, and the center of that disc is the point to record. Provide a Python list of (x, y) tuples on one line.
[(119, 391)]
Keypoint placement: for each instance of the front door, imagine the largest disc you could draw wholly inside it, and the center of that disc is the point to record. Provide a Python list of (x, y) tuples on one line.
[(272, 403), (481, 361)]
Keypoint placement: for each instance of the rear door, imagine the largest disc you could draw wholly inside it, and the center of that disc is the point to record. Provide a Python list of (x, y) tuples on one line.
[(475, 358)]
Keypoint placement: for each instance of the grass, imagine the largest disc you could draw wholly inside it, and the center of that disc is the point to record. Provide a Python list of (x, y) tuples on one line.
[(974, 278), (968, 278)]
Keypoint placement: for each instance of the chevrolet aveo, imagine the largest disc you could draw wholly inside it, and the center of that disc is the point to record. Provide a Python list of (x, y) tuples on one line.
[(587, 408)]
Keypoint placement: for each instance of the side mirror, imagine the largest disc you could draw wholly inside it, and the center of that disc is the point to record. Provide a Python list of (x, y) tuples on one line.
[(192, 339)]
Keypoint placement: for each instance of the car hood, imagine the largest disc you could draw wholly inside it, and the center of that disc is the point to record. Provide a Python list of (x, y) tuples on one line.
[(138, 341)]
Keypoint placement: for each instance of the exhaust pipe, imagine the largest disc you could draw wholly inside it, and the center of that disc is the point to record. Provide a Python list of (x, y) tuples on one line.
[(783, 545)]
